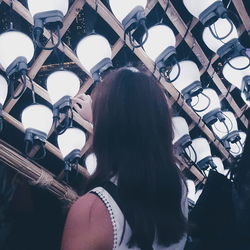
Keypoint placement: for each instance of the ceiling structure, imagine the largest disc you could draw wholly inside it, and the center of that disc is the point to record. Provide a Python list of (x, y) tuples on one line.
[(83, 17)]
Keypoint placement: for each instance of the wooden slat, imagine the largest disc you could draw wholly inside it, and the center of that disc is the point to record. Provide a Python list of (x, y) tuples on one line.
[(240, 7)]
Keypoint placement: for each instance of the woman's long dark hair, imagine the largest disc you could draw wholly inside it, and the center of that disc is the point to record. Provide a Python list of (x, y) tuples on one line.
[(133, 141)]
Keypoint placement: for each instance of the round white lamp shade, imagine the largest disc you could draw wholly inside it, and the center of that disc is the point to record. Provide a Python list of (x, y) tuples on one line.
[(3, 90), (221, 28), (62, 83), (202, 149), (122, 8), (196, 7), (37, 116), (91, 163), (160, 37), (219, 166), (237, 148), (14, 44), (191, 190), (198, 194), (71, 139), (201, 102), (189, 73), (220, 129), (235, 76), (93, 49), (180, 128), (36, 6)]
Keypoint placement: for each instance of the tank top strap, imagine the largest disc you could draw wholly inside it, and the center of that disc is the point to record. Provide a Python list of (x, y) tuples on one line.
[(116, 216)]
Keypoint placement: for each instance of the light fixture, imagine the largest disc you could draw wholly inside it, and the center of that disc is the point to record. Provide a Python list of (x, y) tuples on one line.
[(163, 53), (222, 38), (16, 50), (188, 83), (227, 130), (91, 163), (48, 14), (207, 105), (62, 85), (37, 121), (182, 140), (202, 156), (131, 14), (94, 53), (3, 96), (220, 166), (236, 149), (70, 144), (237, 72), (207, 11)]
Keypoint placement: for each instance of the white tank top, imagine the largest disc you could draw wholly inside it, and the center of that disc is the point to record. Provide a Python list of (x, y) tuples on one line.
[(119, 223)]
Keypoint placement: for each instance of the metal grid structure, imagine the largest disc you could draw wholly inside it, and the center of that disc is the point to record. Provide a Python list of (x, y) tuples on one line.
[(187, 30)]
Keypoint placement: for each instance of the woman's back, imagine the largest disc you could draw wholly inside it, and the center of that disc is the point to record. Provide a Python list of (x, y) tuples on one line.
[(121, 229), (132, 140)]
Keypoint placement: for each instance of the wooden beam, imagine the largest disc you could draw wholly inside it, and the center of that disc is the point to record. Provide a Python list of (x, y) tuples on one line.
[(240, 7), (36, 174)]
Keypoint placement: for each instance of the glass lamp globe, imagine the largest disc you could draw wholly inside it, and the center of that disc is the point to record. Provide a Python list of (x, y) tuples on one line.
[(189, 74), (196, 7), (91, 163), (93, 50), (201, 102), (15, 44), (180, 128), (191, 190), (235, 76), (3, 90), (72, 139), (202, 149), (221, 130), (219, 166), (36, 7), (154, 46), (198, 194), (122, 9), (38, 117), (221, 28), (236, 149), (62, 83)]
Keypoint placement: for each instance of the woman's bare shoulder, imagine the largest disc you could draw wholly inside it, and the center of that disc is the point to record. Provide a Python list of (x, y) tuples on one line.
[(88, 225)]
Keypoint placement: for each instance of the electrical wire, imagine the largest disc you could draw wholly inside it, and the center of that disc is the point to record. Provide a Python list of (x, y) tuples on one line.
[(131, 40), (215, 33), (12, 81), (224, 122), (201, 110), (38, 34), (165, 74), (32, 90), (239, 149)]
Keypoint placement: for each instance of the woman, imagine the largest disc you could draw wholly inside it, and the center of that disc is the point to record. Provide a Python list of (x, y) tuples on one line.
[(133, 145)]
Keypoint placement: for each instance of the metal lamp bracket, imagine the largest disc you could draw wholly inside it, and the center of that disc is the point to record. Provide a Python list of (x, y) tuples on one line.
[(50, 19), (133, 19), (213, 13)]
